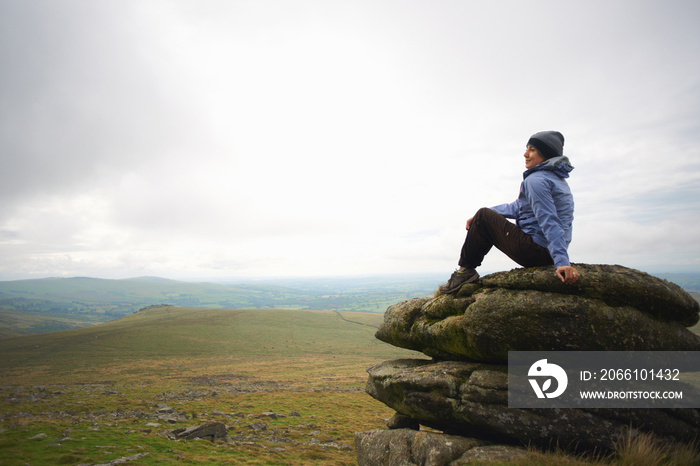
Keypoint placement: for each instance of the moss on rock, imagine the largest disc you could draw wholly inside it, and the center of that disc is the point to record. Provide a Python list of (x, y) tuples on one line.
[(612, 309)]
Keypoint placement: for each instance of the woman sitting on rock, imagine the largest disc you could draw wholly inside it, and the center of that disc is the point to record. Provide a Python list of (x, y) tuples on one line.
[(544, 212)]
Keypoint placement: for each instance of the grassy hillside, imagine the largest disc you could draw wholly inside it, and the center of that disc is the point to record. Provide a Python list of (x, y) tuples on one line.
[(14, 324), (158, 341), (101, 386)]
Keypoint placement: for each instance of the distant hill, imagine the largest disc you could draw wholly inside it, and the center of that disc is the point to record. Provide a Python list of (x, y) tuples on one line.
[(153, 279), (50, 304), (687, 281)]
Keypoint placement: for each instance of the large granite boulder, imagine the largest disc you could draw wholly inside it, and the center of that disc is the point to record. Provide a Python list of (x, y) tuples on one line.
[(463, 390), (610, 308), (471, 399)]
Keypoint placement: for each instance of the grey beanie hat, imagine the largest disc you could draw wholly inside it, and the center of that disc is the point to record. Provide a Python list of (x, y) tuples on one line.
[(548, 143)]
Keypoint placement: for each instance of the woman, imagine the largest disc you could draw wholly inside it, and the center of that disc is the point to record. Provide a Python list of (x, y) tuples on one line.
[(543, 213)]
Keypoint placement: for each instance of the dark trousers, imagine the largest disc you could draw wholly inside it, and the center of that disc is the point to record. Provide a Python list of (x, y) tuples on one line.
[(489, 229)]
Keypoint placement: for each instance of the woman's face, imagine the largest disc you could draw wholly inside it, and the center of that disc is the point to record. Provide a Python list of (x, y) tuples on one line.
[(532, 157)]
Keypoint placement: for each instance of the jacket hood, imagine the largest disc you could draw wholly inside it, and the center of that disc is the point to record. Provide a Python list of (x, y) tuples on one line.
[(561, 166)]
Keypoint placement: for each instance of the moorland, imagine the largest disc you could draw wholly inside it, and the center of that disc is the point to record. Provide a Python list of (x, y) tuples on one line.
[(287, 383), (96, 394)]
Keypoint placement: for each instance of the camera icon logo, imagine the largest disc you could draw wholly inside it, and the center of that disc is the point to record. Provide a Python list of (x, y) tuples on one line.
[(546, 371)]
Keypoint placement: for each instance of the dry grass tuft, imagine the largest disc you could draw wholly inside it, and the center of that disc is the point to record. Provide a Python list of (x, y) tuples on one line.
[(644, 449)]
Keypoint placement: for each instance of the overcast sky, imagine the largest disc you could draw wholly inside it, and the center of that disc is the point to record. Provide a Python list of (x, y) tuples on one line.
[(236, 139)]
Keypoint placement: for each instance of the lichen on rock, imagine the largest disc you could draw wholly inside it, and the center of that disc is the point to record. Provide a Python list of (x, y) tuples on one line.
[(471, 399)]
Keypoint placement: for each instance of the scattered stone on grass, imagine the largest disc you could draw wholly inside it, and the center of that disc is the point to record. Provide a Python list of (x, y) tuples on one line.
[(123, 460), (212, 432)]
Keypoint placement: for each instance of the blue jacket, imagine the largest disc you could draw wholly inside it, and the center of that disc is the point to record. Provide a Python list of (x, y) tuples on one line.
[(545, 207)]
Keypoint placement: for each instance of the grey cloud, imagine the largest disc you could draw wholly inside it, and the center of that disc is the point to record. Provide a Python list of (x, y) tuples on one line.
[(79, 96), (217, 123)]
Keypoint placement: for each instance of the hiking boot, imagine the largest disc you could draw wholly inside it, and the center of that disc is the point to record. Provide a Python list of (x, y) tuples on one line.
[(458, 279)]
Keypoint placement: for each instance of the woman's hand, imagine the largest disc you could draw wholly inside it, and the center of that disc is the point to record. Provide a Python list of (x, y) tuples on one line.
[(469, 222), (567, 274)]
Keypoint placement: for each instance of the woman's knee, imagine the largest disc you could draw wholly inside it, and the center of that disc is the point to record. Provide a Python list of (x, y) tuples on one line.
[(481, 212), (484, 212)]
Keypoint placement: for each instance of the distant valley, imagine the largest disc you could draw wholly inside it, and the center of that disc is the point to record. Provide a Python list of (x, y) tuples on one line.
[(53, 304)]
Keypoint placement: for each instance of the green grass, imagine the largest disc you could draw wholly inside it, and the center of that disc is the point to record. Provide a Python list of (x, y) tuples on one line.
[(159, 337), (94, 391), (240, 361), (13, 324)]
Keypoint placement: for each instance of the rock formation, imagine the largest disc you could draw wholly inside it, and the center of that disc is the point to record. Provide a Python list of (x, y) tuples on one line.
[(463, 390)]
